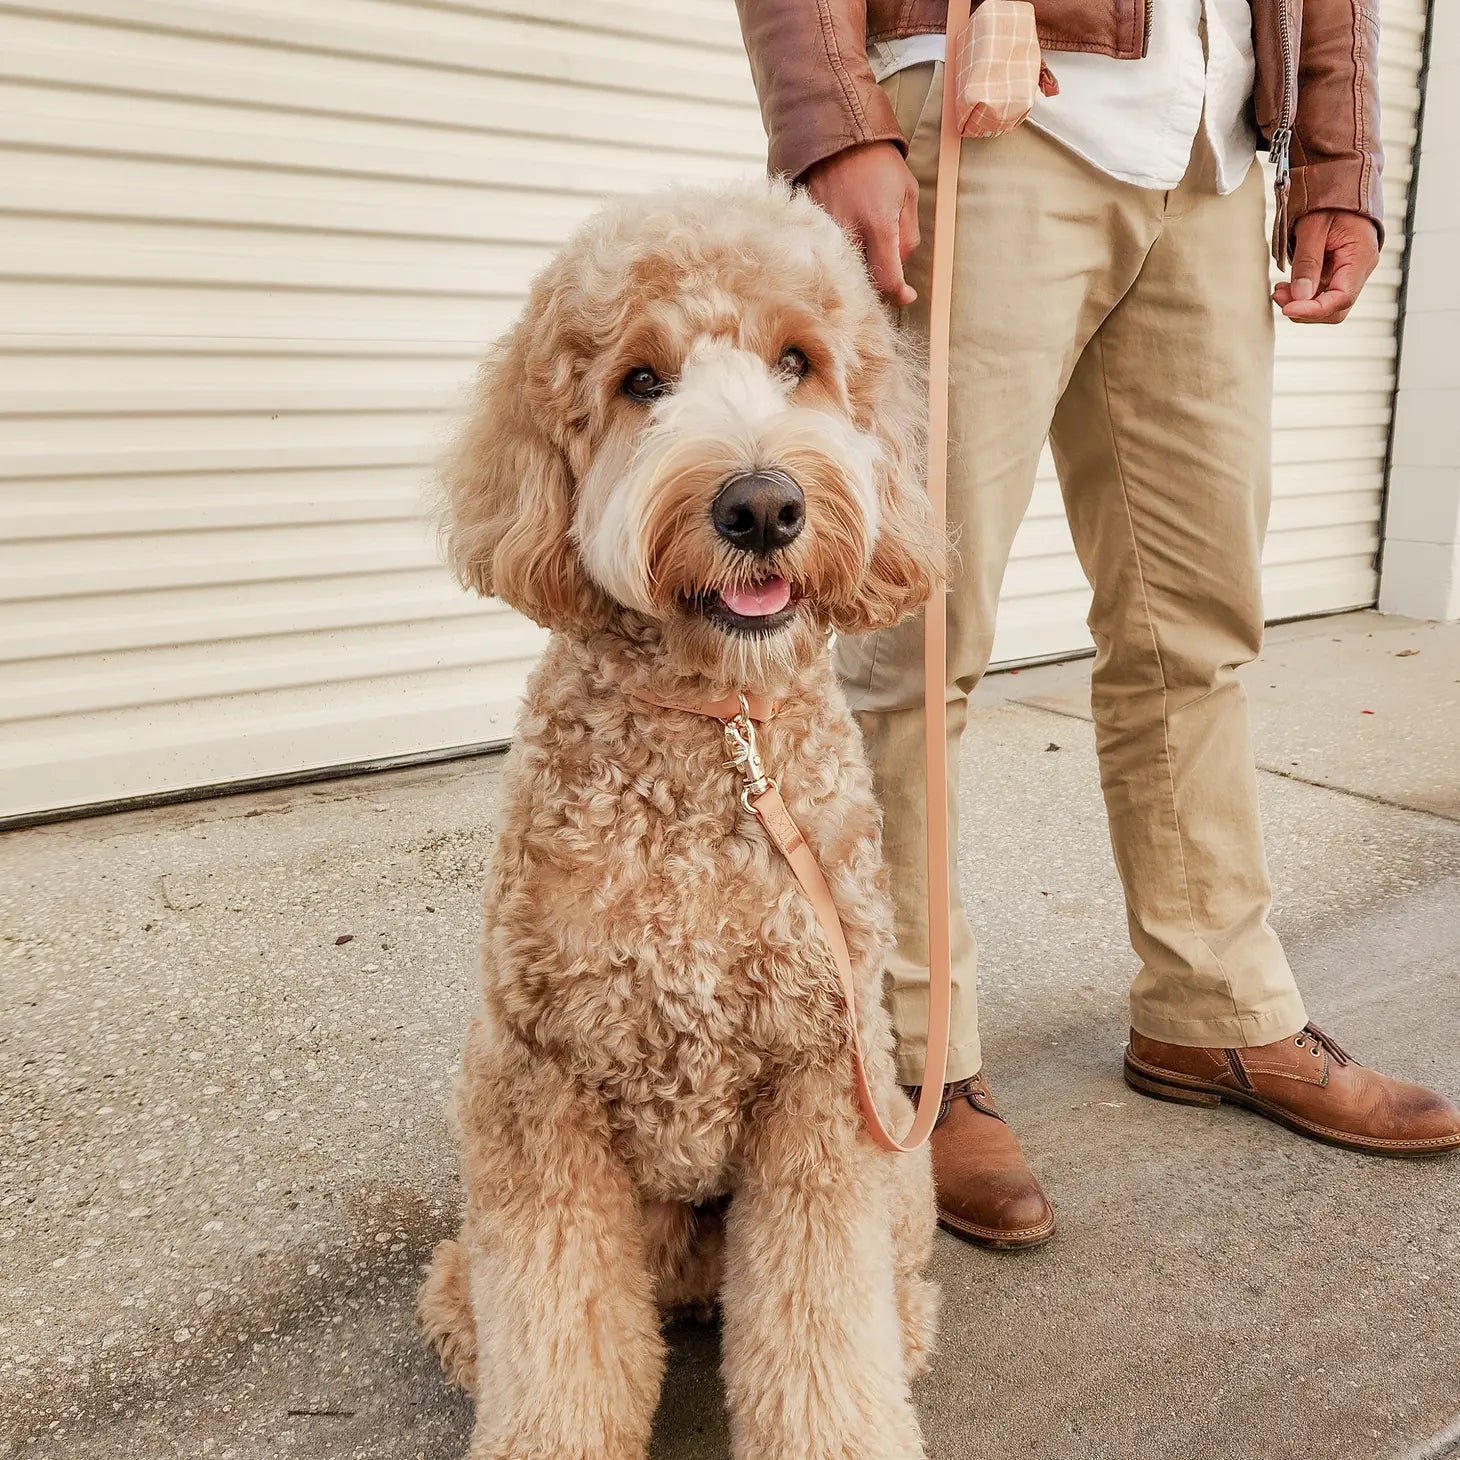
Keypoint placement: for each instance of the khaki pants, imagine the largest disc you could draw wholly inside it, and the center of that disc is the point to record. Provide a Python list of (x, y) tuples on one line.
[(1132, 327)]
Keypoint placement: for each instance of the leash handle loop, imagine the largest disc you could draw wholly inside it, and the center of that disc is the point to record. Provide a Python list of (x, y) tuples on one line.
[(935, 626)]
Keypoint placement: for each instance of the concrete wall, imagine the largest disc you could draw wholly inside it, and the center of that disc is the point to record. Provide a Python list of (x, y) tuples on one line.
[(1421, 574)]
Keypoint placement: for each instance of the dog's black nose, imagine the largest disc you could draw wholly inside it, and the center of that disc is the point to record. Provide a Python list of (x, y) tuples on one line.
[(759, 511)]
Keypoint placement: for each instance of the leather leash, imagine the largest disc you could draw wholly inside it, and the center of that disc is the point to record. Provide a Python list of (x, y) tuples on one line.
[(739, 714)]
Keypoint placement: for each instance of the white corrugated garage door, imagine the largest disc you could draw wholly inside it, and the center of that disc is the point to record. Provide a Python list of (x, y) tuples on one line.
[(249, 255)]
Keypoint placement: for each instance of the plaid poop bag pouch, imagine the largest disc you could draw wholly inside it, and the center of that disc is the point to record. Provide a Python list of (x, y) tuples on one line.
[(998, 69)]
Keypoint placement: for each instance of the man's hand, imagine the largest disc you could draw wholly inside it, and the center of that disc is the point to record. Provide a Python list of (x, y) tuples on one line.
[(1334, 252), (872, 194)]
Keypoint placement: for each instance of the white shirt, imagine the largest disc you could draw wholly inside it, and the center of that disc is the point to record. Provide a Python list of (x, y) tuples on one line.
[(1137, 120)]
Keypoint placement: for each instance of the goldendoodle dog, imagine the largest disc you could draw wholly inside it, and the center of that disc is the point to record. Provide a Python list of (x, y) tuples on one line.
[(694, 457)]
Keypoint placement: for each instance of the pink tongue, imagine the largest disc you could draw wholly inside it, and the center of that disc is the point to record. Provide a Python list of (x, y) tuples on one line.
[(759, 600)]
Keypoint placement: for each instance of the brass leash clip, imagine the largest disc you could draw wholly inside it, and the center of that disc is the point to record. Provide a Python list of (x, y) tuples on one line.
[(740, 740)]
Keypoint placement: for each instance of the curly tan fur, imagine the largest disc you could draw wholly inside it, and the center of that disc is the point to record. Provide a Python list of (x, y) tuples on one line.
[(656, 1104)]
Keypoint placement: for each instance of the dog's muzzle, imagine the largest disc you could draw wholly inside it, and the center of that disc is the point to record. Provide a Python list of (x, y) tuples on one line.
[(759, 511)]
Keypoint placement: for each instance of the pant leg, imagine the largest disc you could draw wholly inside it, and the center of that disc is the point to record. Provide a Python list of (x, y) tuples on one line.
[(1046, 246), (1163, 445)]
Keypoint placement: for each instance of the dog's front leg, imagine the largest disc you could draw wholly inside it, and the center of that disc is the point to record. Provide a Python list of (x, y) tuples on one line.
[(570, 1356), (814, 1365)]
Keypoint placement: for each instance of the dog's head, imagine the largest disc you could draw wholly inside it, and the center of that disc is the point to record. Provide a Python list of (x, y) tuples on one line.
[(704, 417)]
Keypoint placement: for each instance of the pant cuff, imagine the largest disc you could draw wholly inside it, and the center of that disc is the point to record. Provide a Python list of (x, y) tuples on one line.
[(1230, 1031), (963, 1060)]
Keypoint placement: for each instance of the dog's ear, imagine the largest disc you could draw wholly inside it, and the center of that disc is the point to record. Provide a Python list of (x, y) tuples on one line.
[(508, 509), (909, 562)]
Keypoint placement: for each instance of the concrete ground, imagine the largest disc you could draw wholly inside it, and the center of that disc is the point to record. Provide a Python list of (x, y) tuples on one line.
[(228, 1029)]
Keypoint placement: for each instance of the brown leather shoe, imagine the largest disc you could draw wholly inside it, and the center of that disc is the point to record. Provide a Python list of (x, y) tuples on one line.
[(986, 1191), (1306, 1083)]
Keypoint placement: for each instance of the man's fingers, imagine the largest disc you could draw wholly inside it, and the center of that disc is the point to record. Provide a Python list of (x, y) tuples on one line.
[(1334, 252), (1306, 269), (1309, 239), (1332, 305), (1323, 311), (1343, 287), (872, 195), (881, 244), (1349, 276), (908, 236)]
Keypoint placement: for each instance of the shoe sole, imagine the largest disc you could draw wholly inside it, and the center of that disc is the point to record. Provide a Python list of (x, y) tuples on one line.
[(1018, 1240), (1179, 1090)]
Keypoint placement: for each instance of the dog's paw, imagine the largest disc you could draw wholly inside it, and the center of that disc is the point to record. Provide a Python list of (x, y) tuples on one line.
[(918, 1302), (443, 1309)]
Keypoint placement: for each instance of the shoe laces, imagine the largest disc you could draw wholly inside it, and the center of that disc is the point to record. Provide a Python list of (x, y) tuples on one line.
[(971, 1089), (1313, 1039)]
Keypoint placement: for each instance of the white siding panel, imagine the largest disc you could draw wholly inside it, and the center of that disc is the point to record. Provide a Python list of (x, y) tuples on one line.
[(249, 257)]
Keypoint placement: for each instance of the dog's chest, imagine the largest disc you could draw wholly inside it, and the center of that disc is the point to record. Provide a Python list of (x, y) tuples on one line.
[(698, 953), (688, 1042), (676, 967)]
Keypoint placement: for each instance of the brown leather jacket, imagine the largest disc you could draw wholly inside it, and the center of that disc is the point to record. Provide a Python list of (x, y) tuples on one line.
[(1316, 97)]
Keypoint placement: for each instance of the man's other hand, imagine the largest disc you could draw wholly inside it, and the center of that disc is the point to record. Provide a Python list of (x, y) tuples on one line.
[(872, 194), (1334, 252)]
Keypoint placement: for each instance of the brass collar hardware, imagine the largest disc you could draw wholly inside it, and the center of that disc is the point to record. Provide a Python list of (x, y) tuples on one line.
[(744, 748)]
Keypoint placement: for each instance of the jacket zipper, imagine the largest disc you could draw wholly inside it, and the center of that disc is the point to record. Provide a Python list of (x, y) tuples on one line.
[(1146, 35), (1281, 142)]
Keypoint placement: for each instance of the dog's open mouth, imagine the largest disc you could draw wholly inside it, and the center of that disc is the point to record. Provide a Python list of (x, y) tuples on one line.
[(752, 608)]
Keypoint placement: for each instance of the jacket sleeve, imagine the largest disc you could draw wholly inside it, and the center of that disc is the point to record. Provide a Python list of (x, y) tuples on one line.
[(1337, 153), (817, 93)]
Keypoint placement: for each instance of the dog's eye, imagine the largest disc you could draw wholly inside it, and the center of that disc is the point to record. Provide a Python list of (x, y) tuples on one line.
[(643, 383), (793, 362)]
